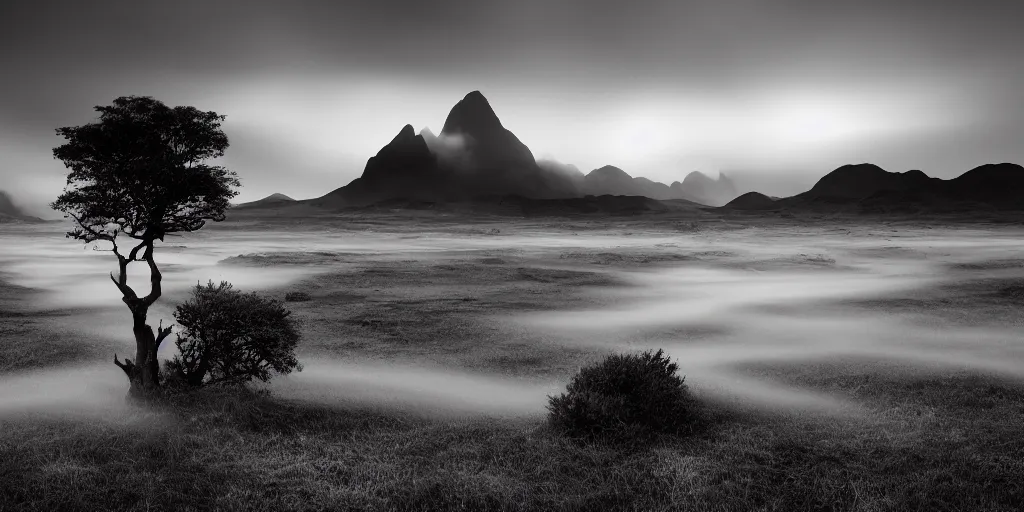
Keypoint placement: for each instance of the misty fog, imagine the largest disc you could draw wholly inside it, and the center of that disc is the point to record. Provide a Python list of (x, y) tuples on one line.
[(729, 302)]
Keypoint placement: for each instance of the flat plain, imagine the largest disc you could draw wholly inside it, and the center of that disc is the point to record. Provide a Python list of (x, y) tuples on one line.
[(841, 363)]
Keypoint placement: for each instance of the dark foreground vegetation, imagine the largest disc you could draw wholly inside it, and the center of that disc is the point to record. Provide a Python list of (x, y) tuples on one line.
[(625, 398), (926, 443)]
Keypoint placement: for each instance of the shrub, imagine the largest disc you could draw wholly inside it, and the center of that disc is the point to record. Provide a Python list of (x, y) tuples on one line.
[(625, 397), (297, 297), (230, 337)]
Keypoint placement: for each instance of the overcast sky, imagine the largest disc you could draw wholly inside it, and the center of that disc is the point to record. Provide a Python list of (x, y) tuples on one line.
[(773, 92)]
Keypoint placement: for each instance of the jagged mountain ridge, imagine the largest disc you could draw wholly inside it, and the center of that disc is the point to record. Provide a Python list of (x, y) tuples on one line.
[(475, 155)]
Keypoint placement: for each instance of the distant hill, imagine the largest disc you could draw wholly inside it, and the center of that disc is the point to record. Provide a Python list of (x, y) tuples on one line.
[(855, 182), (1001, 185), (610, 178), (271, 200), (752, 201), (700, 188), (10, 212), (696, 187), (871, 189)]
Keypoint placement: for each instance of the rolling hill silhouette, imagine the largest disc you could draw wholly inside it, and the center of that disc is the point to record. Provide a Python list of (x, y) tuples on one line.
[(855, 182), (753, 201), (869, 188), (275, 199), (1001, 185)]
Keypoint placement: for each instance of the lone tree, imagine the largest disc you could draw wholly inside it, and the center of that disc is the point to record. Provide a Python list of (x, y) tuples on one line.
[(140, 172)]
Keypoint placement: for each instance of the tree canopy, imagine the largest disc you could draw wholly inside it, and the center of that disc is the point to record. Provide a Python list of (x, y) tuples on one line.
[(141, 170)]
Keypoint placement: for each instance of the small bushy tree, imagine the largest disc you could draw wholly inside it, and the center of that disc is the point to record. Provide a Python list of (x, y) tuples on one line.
[(229, 337), (625, 397)]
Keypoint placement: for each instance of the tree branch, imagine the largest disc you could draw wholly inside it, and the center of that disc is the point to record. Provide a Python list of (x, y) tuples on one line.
[(122, 279), (127, 366), (97, 235), (162, 333), (154, 276), (134, 254)]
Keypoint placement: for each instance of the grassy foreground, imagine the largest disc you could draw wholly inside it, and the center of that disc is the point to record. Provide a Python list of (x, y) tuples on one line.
[(929, 443)]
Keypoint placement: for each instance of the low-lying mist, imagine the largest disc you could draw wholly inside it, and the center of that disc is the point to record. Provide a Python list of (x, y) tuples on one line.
[(727, 303), (720, 322), (426, 389)]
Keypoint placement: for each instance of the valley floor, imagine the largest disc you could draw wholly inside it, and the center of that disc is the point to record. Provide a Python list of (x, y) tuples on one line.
[(841, 365)]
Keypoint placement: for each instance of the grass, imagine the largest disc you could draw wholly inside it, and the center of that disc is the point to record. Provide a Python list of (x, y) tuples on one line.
[(29, 339), (929, 443)]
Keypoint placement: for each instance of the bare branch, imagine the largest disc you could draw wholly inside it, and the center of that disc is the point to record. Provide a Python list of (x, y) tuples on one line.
[(162, 333), (134, 254), (97, 235), (127, 366)]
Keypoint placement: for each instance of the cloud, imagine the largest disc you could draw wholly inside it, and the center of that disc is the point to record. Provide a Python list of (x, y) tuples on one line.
[(451, 150), (658, 87)]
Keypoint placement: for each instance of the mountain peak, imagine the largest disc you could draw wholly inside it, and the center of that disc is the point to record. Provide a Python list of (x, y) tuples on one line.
[(472, 115), (696, 177), (610, 171), (407, 134), (277, 196), (475, 96)]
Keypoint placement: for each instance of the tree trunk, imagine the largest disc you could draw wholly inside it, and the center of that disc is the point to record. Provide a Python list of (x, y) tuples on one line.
[(143, 373), (145, 379)]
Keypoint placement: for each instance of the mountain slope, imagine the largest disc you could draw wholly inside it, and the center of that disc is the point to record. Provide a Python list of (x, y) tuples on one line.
[(404, 168), (10, 212)]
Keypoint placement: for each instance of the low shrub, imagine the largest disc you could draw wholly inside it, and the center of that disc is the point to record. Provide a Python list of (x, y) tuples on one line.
[(626, 397), (230, 337)]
